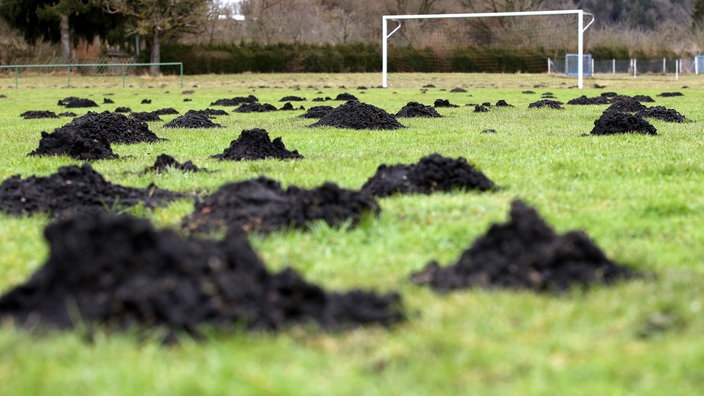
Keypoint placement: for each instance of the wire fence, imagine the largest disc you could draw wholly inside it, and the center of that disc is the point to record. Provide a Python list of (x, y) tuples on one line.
[(630, 67), (90, 69)]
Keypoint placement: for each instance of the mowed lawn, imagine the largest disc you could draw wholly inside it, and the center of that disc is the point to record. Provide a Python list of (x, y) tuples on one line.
[(640, 198)]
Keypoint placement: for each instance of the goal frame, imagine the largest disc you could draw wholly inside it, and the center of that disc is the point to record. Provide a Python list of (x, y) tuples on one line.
[(581, 28)]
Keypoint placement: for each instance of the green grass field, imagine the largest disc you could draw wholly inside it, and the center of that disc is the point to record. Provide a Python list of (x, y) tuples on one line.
[(638, 197)]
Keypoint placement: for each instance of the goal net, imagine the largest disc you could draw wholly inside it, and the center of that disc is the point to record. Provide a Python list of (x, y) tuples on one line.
[(510, 49)]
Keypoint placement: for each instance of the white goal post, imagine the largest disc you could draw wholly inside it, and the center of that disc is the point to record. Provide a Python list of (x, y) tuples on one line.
[(398, 18)]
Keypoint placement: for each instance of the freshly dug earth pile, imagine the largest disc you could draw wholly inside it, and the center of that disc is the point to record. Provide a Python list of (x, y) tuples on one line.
[(74, 189), (661, 113), (415, 109), (317, 112), (89, 137), (255, 107), (193, 119), (613, 122), (120, 273), (443, 103), (292, 99), (75, 103), (526, 253), (80, 144), (357, 115), (262, 205), (166, 111), (37, 114), (627, 105), (146, 116), (431, 174), (552, 104), (105, 126), (583, 100), (255, 144), (164, 162), (345, 96), (236, 101)]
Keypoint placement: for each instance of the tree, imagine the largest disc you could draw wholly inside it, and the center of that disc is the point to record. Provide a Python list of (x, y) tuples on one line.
[(698, 13), (60, 21), (159, 20)]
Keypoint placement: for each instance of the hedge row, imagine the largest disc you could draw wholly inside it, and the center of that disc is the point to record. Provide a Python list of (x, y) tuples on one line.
[(252, 57)]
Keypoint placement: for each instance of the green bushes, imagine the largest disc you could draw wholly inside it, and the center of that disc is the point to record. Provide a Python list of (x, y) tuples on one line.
[(352, 58)]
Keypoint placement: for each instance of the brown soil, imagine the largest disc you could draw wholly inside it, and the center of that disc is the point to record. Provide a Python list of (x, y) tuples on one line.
[(120, 273), (431, 174), (74, 189), (525, 253), (262, 205)]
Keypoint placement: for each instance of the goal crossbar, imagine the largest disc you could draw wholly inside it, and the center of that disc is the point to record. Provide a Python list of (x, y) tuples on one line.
[(397, 18)]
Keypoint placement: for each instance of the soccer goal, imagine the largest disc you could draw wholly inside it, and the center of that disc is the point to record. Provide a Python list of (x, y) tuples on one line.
[(516, 44)]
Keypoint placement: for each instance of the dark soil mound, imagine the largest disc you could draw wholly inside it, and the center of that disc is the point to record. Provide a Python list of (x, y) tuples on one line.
[(357, 115), (166, 111), (114, 127), (502, 103), (627, 105), (36, 114), (583, 100), (193, 119), (74, 102), (254, 144), (670, 94), (345, 96), (480, 109), (215, 112), (123, 110), (552, 104), (262, 205), (288, 107), (76, 143), (292, 99), (643, 98), (526, 253), (120, 273), (236, 101), (609, 94), (164, 162), (415, 109), (431, 174), (661, 113), (146, 101), (458, 90), (73, 189), (443, 103), (255, 107), (613, 122), (67, 114), (317, 112), (108, 101), (146, 116)]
